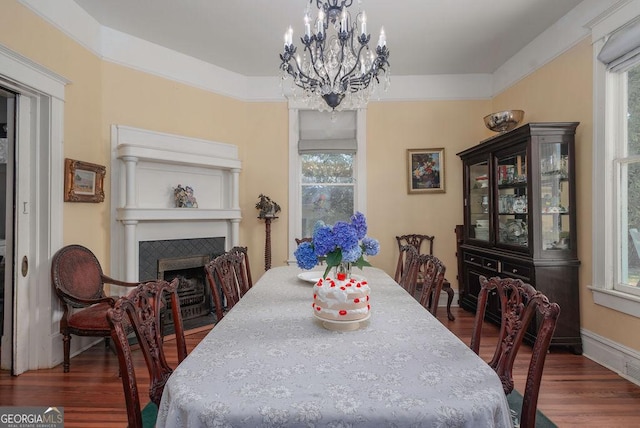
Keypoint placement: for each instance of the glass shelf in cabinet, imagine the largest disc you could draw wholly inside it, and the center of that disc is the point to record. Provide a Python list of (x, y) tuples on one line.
[(518, 185), (555, 212)]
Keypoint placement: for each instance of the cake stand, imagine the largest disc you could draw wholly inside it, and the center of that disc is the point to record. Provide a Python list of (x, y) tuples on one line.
[(336, 325)]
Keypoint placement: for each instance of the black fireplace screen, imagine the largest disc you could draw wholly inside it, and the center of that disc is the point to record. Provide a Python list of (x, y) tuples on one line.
[(184, 259)]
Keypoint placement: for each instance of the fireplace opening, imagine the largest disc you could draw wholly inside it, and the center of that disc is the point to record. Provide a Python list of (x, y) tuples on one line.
[(196, 304)]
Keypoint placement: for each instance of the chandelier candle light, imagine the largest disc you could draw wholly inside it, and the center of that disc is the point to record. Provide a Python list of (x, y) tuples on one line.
[(337, 70)]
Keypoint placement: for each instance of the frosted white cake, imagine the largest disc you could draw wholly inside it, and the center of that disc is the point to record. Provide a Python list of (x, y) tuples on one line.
[(346, 300)]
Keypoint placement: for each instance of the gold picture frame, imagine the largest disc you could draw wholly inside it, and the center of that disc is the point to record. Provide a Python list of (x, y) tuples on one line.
[(83, 181), (425, 170)]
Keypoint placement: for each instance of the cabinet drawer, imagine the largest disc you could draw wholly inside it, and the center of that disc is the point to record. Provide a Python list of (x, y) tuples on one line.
[(490, 264), (516, 269), (485, 262), (473, 258)]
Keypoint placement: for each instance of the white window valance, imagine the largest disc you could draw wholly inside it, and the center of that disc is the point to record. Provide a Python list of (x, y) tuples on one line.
[(327, 132), (622, 49)]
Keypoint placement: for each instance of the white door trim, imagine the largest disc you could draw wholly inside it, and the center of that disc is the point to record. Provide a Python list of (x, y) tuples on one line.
[(38, 315)]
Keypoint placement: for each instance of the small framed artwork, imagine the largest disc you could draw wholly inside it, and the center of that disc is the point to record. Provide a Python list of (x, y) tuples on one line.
[(83, 181), (425, 170)]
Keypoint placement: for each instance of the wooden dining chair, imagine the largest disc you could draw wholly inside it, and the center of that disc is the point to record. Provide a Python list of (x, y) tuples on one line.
[(138, 311), (78, 281), (432, 270), (408, 274), (520, 306), (222, 276), (244, 275), (423, 243)]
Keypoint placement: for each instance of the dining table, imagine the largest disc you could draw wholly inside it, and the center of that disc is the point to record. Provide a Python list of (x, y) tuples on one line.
[(271, 363)]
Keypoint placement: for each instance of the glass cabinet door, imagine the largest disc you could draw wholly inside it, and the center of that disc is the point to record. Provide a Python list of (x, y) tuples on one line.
[(513, 203), (479, 201), (555, 196)]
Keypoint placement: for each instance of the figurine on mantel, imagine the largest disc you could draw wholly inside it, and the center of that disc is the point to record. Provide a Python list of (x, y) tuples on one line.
[(184, 197), (267, 207)]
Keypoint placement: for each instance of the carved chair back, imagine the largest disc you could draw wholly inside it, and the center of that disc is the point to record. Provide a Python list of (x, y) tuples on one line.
[(138, 311), (408, 274), (432, 271), (244, 275), (222, 272), (520, 305), (416, 241)]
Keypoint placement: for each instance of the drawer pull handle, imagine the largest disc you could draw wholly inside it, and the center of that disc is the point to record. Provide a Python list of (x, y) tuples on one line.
[(515, 271), (472, 259), (489, 264)]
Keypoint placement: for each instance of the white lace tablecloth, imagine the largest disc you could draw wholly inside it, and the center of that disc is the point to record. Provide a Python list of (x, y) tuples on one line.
[(270, 363)]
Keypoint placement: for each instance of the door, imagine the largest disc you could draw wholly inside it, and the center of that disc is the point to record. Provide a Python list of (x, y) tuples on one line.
[(35, 214), (7, 115), (24, 289), (17, 302)]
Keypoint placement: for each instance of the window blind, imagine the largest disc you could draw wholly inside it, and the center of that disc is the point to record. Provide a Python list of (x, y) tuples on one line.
[(324, 132), (621, 51)]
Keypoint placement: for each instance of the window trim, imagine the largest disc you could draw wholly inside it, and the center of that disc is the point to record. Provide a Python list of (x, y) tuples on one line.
[(606, 223), (360, 172)]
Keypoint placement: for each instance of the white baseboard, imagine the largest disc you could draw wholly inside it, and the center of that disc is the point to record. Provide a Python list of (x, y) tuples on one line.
[(620, 359), (442, 301)]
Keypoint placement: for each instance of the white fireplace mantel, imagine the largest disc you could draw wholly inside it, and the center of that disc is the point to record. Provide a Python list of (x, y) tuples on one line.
[(146, 167)]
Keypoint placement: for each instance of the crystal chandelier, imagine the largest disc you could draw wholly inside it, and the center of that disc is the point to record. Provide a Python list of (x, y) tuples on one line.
[(337, 70)]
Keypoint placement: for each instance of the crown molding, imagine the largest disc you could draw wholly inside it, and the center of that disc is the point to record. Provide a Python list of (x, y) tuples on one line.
[(126, 50), (553, 42)]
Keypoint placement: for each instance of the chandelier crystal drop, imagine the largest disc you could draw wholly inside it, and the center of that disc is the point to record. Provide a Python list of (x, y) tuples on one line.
[(337, 70)]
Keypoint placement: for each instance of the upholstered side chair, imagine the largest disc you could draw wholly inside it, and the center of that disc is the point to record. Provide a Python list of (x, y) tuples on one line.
[(78, 280)]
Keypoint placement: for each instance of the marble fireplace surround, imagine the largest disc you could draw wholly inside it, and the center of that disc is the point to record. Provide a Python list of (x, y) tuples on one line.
[(145, 168)]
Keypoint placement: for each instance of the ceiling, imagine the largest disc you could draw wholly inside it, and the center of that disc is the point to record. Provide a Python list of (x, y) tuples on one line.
[(425, 37)]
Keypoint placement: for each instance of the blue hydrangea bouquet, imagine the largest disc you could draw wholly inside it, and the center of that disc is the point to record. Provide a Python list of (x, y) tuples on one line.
[(342, 243)]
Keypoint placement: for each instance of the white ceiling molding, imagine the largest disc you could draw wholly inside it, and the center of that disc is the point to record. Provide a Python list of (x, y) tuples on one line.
[(129, 51), (613, 19), (132, 52), (71, 19), (557, 39)]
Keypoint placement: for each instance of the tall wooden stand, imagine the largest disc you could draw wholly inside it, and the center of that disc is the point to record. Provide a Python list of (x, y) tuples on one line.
[(267, 242)]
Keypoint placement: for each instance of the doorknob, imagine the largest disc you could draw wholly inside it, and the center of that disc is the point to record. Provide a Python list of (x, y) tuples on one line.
[(25, 266)]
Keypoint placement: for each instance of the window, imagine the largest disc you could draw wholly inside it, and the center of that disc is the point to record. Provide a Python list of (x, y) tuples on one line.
[(627, 166), (327, 171), (327, 188), (616, 150)]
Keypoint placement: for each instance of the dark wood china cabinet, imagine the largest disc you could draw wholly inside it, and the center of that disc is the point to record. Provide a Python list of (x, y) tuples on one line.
[(520, 220)]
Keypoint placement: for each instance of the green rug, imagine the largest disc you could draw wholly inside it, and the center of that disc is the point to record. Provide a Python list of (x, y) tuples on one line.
[(515, 404)]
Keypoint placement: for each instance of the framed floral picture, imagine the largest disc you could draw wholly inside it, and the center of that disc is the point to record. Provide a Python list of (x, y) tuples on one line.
[(425, 170), (83, 181)]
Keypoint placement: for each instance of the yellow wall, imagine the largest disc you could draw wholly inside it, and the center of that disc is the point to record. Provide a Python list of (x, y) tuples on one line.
[(102, 93), (394, 127), (29, 35), (265, 169)]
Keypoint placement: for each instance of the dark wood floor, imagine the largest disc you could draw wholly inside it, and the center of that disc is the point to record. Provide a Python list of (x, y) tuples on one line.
[(575, 390)]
